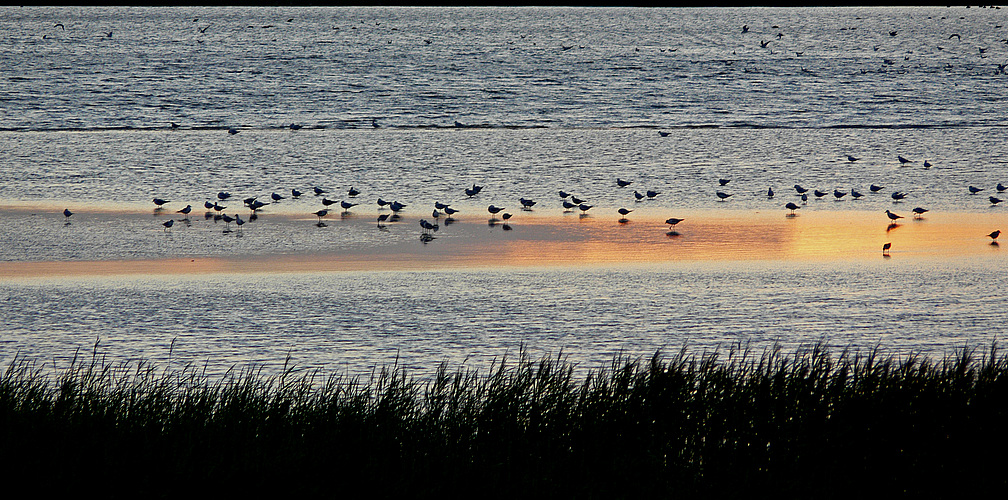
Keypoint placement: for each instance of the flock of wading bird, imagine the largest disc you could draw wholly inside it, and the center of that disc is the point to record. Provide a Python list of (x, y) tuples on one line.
[(569, 202)]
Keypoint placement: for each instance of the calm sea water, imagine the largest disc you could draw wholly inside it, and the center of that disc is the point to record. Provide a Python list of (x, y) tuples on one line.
[(417, 104)]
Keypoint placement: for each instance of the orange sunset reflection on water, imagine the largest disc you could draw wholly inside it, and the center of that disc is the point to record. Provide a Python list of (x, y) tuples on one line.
[(535, 241)]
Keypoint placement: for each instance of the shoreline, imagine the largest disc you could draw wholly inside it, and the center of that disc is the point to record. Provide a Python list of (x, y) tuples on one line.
[(541, 240)]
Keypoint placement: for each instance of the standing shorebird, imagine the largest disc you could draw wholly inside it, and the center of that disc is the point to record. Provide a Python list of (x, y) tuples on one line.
[(903, 161), (584, 208), (672, 221), (893, 217), (160, 203), (320, 214), (722, 196), (168, 224), (67, 213), (769, 193), (919, 212), (622, 183), (974, 190), (185, 211), (382, 218), (494, 210), (885, 249), (995, 235), (624, 212), (792, 207)]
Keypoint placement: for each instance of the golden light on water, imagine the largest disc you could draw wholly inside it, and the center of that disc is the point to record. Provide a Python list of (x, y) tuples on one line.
[(570, 240)]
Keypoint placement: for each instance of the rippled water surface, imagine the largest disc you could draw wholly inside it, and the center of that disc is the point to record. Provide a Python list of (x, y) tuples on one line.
[(355, 321), (105, 109)]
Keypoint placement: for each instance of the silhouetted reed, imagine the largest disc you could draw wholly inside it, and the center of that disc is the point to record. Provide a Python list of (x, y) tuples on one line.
[(810, 423)]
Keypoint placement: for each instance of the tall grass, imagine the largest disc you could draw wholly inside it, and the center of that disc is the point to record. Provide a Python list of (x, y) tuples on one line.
[(808, 423)]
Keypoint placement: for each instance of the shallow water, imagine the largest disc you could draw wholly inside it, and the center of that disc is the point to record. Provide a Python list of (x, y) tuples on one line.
[(355, 321), (546, 99)]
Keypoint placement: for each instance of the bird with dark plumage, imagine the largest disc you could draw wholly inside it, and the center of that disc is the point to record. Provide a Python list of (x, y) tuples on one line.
[(903, 161), (319, 191), (296, 194), (352, 193), (854, 194), (275, 197), (995, 234), (919, 212), (724, 182), (159, 202), (672, 221), (893, 217), (723, 196), (852, 159), (885, 248), (568, 206), (564, 194), (994, 200), (652, 193), (792, 207), (898, 195), (584, 208), (638, 196), (320, 214), (622, 183), (494, 210), (875, 188), (526, 204), (382, 218), (974, 190), (67, 213), (800, 189), (1001, 188), (185, 211), (839, 194), (770, 193), (168, 224), (819, 194), (326, 202), (347, 205)]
